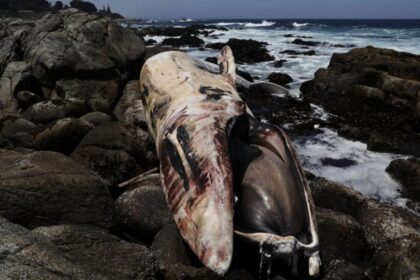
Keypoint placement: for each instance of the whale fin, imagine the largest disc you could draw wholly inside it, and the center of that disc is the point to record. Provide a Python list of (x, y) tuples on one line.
[(226, 62)]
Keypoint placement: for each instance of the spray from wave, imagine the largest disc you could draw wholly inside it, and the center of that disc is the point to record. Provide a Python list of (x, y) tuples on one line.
[(264, 23), (296, 24)]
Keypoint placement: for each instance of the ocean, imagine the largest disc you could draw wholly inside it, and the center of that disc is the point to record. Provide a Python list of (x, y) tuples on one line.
[(368, 175)]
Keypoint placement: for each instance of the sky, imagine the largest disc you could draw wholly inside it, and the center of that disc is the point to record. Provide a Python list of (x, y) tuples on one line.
[(263, 9)]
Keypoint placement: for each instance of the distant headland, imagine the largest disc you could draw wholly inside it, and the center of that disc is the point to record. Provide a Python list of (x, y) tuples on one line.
[(37, 8)]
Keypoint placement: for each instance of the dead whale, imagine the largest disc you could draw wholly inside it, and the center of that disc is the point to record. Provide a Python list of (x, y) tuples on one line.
[(224, 172)]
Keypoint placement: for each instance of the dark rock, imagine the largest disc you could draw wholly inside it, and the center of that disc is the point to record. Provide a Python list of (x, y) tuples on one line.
[(28, 255), (171, 31), (18, 131), (293, 52), (407, 172), (116, 153), (341, 236), (143, 211), (185, 40), (94, 249), (46, 112), (27, 98), (150, 42), (245, 51), (280, 78), (183, 272), (151, 51), (96, 95), (401, 269), (46, 188), (391, 231), (62, 136), (169, 248), (344, 270), (279, 63), (211, 59), (342, 162), (305, 43), (130, 109), (16, 77), (96, 118), (372, 91), (73, 44), (331, 195)]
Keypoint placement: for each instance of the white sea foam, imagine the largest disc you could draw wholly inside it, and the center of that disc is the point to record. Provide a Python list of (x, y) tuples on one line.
[(264, 23), (367, 175), (296, 24)]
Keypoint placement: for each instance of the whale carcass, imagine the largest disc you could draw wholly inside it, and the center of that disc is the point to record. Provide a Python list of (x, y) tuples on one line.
[(224, 172)]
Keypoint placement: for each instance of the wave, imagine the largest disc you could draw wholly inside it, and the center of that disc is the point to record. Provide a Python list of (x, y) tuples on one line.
[(229, 23), (296, 24), (264, 23)]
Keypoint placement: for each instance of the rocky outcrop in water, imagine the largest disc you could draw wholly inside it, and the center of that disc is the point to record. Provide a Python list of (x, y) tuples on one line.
[(375, 94)]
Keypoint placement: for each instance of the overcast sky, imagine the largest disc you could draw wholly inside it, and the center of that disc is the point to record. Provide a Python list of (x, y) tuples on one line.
[(264, 9)]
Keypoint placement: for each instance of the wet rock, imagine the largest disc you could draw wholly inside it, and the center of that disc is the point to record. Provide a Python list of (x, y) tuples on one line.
[(407, 172), (46, 112), (62, 136), (342, 162), (96, 118), (27, 255), (150, 42), (372, 91), (280, 78), (305, 42), (344, 270), (143, 211), (18, 131), (246, 51), (183, 272), (88, 95), (74, 44), (331, 195), (130, 109), (46, 188), (401, 269), (293, 52), (391, 231), (169, 248), (116, 153), (185, 40), (171, 31), (151, 51), (94, 249), (341, 236), (279, 63)]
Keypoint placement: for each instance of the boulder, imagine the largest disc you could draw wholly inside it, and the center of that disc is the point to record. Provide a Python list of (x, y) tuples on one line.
[(62, 136), (143, 211), (18, 131), (344, 270), (305, 42), (130, 109), (246, 51), (88, 95), (169, 248), (391, 231), (47, 188), (73, 44), (407, 172), (28, 255), (96, 118), (47, 111), (183, 41), (341, 237), (294, 52), (279, 63), (115, 152), (401, 269), (280, 78), (94, 249), (16, 77), (375, 93)]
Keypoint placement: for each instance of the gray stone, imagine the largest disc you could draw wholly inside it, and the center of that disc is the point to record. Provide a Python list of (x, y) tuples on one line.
[(47, 188), (96, 118)]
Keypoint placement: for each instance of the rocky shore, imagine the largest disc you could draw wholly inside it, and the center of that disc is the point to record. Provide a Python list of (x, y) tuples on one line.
[(72, 129)]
